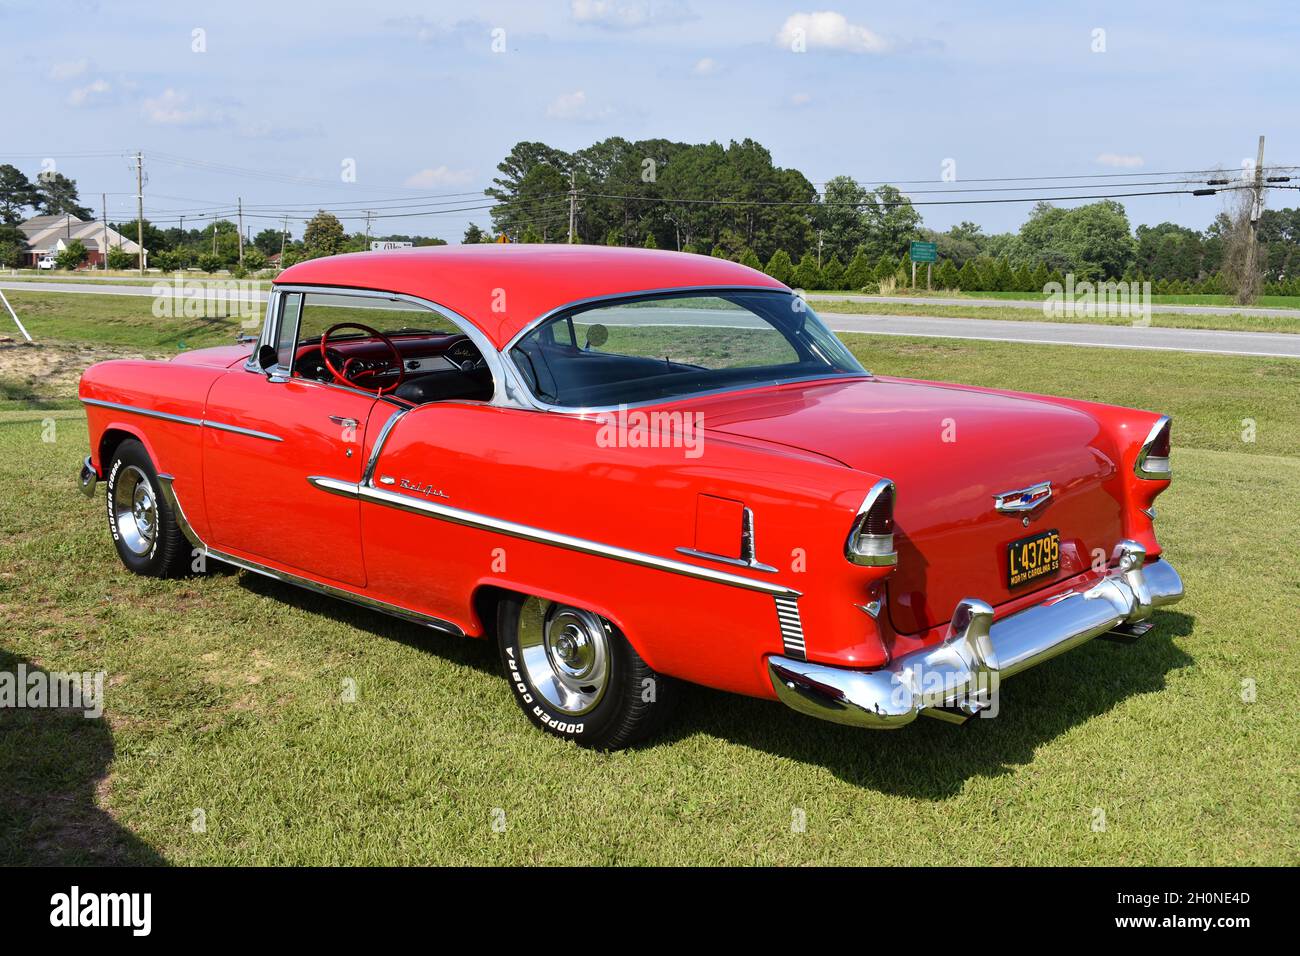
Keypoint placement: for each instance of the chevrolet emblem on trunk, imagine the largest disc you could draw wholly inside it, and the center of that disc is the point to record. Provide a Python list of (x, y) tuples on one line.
[(1023, 500)]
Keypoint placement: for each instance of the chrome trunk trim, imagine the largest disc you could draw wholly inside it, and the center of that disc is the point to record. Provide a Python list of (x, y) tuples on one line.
[(956, 679), (428, 620)]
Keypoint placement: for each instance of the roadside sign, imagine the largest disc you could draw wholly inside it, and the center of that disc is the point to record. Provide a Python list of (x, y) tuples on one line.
[(925, 252), (377, 245)]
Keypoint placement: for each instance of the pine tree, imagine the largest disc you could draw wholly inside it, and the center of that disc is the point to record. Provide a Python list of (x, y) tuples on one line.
[(886, 267), (779, 267), (718, 252), (859, 272), (806, 273), (945, 277), (751, 260), (1022, 279), (833, 274), (650, 241), (968, 278), (1040, 277)]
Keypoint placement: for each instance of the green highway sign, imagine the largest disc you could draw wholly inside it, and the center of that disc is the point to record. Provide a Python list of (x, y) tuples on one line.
[(925, 252)]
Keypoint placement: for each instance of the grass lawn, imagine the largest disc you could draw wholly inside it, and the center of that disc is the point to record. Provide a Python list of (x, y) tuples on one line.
[(225, 693)]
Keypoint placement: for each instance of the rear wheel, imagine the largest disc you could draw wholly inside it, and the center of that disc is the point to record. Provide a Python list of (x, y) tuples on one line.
[(577, 677), (143, 527)]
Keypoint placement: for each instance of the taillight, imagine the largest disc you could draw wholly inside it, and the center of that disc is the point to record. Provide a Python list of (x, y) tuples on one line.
[(1153, 459), (871, 539)]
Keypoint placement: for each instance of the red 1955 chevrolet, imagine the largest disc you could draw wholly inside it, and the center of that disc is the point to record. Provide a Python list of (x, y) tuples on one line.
[(630, 467)]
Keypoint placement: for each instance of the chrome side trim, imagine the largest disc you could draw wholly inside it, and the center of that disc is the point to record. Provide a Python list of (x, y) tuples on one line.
[(146, 412), (168, 492), (958, 677), (524, 532), (787, 617), (746, 559), (180, 419), (1153, 468), (235, 429)]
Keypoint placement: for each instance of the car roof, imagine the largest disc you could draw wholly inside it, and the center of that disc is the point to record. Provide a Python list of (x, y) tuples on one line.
[(504, 287)]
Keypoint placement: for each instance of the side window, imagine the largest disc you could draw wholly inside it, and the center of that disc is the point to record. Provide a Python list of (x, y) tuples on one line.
[(286, 333), (322, 310)]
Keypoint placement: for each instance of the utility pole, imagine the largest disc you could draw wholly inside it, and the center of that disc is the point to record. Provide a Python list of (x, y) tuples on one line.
[(573, 206), (1256, 210), (139, 208), (284, 234), (103, 244), (240, 200), (369, 213), (819, 248)]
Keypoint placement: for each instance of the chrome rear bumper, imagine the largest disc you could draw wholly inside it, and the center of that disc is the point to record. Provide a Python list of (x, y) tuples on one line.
[(958, 678)]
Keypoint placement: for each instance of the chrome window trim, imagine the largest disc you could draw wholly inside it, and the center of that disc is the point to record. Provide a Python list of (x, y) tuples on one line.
[(471, 519), (541, 405), (1140, 466), (503, 386), (428, 620), (181, 419), (367, 476)]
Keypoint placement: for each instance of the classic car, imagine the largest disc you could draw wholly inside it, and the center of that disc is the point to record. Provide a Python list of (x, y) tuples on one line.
[(631, 468)]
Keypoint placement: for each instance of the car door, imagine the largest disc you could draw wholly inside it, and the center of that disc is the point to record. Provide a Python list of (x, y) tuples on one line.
[(265, 436)]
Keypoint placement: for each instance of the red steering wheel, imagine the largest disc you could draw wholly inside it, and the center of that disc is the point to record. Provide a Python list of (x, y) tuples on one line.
[(344, 376)]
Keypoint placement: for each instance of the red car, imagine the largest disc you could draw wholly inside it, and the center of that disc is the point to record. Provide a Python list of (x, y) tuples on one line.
[(631, 467)]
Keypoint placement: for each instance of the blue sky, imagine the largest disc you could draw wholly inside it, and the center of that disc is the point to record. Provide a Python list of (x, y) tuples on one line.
[(416, 96)]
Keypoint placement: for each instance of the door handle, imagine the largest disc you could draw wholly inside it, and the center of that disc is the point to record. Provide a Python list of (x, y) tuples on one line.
[(344, 421)]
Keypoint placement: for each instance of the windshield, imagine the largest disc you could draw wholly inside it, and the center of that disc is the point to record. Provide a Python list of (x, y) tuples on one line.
[(665, 345)]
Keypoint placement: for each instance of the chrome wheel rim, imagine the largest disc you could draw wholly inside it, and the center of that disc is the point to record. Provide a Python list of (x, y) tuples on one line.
[(565, 654), (135, 510)]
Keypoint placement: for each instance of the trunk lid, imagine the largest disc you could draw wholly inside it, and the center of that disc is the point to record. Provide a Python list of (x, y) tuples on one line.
[(949, 451)]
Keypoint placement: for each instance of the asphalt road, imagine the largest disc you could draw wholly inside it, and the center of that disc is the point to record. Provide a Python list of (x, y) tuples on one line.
[(1262, 344)]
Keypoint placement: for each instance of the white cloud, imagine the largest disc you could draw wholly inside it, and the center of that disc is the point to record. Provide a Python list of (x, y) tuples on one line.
[(574, 107), (93, 92), (628, 14), (829, 31), (68, 70), (1120, 159), (705, 67), (173, 108), (438, 176)]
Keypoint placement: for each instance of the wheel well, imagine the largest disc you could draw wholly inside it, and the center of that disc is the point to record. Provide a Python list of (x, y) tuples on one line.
[(108, 443), (486, 601)]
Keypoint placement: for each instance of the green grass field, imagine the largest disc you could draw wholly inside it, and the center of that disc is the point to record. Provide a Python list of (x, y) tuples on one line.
[(1263, 301), (1237, 322), (225, 693)]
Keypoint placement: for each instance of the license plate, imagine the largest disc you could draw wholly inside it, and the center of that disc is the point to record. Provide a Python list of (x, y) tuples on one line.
[(1037, 556)]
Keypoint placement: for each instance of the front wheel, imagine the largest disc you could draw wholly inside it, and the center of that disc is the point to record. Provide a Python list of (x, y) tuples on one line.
[(143, 527), (577, 677)]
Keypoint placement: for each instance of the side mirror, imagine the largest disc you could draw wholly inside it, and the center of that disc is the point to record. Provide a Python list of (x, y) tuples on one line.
[(597, 335), (267, 357)]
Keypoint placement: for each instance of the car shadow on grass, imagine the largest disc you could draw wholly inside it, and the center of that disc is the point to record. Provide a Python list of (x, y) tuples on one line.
[(930, 759), (469, 652), (53, 765)]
